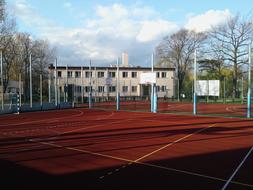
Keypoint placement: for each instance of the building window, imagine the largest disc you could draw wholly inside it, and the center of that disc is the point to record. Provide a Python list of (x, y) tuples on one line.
[(125, 89), (69, 74), (134, 88), (158, 88), (87, 88), (163, 74), (88, 74), (77, 74), (112, 88), (78, 89), (157, 74), (59, 74), (112, 74), (134, 74), (101, 88), (101, 74), (163, 88), (124, 74)]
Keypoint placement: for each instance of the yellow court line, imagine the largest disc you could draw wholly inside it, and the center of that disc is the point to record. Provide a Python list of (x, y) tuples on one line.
[(174, 142), (83, 151), (141, 163)]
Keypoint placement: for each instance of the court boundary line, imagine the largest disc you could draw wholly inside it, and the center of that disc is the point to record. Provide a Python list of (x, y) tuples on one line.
[(174, 142), (37, 121), (237, 169), (137, 161), (129, 162)]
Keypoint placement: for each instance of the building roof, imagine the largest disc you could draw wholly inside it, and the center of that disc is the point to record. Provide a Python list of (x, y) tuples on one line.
[(111, 68)]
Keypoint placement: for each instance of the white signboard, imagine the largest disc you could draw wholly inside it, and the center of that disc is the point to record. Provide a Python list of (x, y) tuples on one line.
[(202, 87), (214, 88), (148, 78), (208, 87)]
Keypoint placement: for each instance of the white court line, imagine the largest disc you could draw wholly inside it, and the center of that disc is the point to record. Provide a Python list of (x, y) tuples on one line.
[(51, 119), (141, 163), (237, 169)]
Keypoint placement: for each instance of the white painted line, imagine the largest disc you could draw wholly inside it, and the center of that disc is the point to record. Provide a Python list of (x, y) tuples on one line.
[(237, 169), (141, 163)]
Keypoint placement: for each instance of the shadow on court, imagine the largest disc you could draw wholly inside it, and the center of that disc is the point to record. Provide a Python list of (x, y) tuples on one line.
[(198, 172)]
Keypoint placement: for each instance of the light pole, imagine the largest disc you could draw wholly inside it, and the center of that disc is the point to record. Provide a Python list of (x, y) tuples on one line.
[(242, 90), (152, 85), (224, 90), (153, 91), (31, 90), (249, 85), (195, 85), (118, 87), (2, 81), (90, 90), (55, 84)]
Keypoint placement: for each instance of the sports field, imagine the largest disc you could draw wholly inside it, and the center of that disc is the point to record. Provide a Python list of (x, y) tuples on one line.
[(210, 109), (105, 149)]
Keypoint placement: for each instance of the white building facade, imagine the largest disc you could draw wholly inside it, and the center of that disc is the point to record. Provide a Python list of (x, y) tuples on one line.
[(77, 81)]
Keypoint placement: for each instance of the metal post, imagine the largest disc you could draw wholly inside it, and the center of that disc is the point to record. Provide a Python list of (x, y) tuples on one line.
[(41, 90), (178, 99), (118, 87), (18, 103), (49, 88), (90, 91), (20, 89), (2, 81), (67, 85), (242, 90), (195, 84), (152, 85), (31, 90), (95, 85), (55, 83), (58, 91), (249, 85), (177, 78), (224, 90), (82, 85)]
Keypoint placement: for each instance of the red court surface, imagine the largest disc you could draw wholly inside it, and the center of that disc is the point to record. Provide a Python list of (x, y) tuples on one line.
[(215, 109), (98, 149)]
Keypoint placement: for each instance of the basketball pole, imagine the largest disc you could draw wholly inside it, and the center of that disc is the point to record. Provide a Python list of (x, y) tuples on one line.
[(118, 93), (249, 85), (153, 92), (152, 85), (195, 84)]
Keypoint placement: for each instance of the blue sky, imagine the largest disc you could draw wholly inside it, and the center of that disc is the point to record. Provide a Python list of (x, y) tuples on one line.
[(102, 29)]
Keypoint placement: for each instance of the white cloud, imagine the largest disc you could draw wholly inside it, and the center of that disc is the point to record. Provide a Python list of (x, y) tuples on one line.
[(151, 30), (204, 22), (104, 36), (116, 11)]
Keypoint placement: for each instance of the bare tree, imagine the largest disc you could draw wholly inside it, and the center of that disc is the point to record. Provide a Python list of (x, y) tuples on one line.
[(2, 10), (177, 50), (231, 40)]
